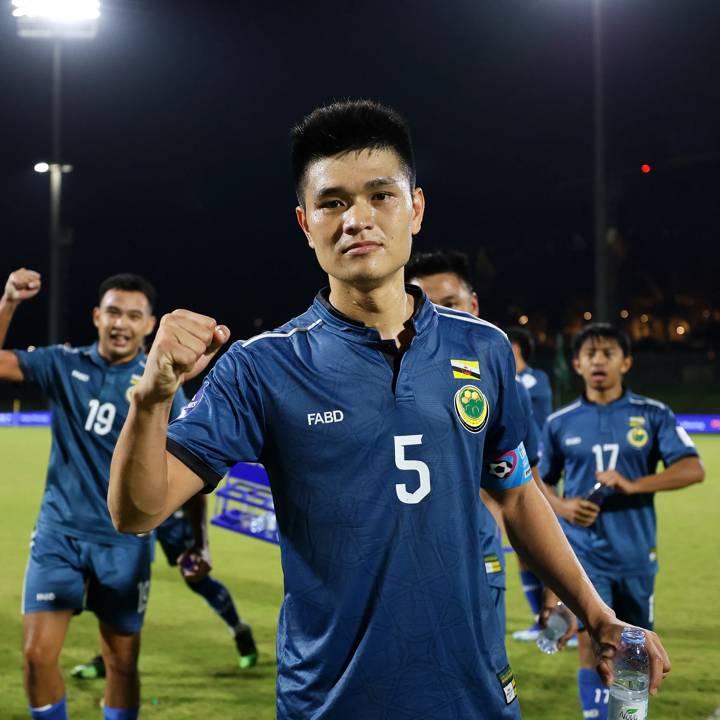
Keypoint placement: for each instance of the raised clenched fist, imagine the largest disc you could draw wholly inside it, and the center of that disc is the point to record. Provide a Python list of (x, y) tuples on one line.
[(22, 284), (184, 345)]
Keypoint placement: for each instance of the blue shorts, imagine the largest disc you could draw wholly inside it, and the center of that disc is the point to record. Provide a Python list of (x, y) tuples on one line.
[(175, 536), (632, 597), (67, 573)]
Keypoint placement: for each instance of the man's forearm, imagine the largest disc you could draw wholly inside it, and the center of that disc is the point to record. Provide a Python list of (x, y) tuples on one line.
[(7, 310), (138, 491), (679, 475), (537, 537), (196, 514)]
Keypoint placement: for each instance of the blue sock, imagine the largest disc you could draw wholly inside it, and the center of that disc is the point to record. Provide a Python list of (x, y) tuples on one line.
[(120, 714), (593, 695), (57, 711), (533, 589), (218, 598)]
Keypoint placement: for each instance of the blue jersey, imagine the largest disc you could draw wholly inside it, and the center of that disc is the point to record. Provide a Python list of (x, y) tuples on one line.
[(538, 385), (629, 435), (89, 399), (492, 546), (375, 464)]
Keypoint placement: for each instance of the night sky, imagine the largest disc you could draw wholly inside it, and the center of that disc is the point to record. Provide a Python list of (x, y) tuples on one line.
[(176, 121)]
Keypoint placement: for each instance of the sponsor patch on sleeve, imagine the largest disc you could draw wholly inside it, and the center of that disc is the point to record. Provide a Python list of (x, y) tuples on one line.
[(507, 683)]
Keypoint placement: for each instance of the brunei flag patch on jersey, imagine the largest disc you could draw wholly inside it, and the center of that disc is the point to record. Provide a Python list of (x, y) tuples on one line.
[(466, 369)]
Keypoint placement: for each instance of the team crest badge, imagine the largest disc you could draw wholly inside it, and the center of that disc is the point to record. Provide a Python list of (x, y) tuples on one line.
[(134, 380), (637, 436), (472, 408)]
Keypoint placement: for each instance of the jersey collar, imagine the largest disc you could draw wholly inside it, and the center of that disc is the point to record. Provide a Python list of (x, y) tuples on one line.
[(624, 399), (338, 322)]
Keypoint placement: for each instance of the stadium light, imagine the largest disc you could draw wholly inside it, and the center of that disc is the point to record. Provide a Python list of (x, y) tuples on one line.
[(587, 315), (57, 21), (523, 320)]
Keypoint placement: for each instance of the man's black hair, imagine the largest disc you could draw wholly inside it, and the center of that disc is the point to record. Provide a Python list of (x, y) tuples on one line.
[(523, 339), (423, 264), (348, 126), (130, 283), (604, 331)]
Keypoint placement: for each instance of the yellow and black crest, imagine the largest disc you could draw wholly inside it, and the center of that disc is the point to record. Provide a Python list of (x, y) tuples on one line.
[(472, 408)]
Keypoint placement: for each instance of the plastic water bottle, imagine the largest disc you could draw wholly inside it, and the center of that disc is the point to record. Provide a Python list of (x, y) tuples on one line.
[(556, 626), (599, 493), (629, 691)]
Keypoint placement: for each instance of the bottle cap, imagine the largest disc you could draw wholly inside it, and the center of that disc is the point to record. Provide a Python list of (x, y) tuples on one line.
[(632, 636)]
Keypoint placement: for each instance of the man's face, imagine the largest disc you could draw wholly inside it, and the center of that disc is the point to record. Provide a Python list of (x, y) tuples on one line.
[(448, 289), (360, 215), (601, 364), (123, 319)]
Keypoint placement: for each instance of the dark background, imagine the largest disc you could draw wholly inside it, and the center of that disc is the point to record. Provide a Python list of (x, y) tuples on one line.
[(176, 121)]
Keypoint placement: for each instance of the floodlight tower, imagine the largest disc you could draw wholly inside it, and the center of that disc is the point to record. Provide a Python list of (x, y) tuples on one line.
[(56, 21)]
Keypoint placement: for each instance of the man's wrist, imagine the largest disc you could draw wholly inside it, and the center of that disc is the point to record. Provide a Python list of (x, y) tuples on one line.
[(148, 404), (597, 616), (9, 302)]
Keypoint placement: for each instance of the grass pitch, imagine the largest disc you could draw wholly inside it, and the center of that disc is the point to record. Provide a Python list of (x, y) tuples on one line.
[(188, 661)]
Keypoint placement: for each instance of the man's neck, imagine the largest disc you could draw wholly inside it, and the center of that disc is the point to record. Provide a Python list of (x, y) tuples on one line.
[(604, 396), (387, 308)]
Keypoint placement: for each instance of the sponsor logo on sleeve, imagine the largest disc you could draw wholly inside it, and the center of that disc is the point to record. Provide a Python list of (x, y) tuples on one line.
[(472, 408), (507, 683)]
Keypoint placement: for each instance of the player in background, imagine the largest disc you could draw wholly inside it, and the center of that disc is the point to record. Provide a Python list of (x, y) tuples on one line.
[(183, 539), (77, 558), (606, 446), (538, 385), (375, 454), (444, 276)]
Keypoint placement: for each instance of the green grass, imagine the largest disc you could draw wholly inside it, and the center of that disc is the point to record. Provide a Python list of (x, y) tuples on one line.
[(188, 663)]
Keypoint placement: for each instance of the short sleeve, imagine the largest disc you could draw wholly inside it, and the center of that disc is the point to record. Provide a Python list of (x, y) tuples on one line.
[(552, 461), (224, 423), (532, 436), (509, 426), (39, 367), (673, 441), (509, 470)]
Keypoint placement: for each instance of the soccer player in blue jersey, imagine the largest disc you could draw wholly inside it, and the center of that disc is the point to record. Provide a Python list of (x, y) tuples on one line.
[(538, 385), (77, 558), (184, 542), (606, 446), (375, 450), (444, 276)]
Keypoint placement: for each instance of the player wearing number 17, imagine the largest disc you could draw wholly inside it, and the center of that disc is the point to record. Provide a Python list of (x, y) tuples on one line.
[(387, 611), (77, 558), (608, 444)]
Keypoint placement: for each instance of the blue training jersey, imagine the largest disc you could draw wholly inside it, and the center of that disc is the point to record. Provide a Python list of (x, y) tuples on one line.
[(89, 399), (538, 385), (630, 435), (375, 465), (494, 556)]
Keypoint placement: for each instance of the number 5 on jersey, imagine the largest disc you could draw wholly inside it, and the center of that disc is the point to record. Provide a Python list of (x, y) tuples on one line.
[(423, 490)]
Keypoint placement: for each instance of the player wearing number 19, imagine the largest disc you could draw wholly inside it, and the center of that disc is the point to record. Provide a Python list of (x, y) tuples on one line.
[(608, 444), (76, 554)]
